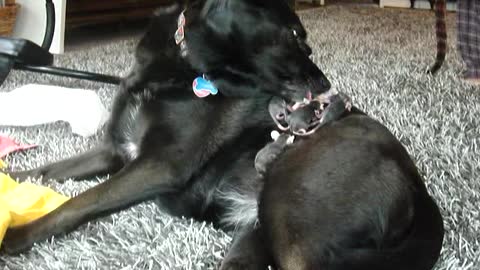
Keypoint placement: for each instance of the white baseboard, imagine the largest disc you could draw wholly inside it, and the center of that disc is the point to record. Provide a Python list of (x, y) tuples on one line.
[(31, 21), (395, 3), (419, 4), (321, 2), (422, 4)]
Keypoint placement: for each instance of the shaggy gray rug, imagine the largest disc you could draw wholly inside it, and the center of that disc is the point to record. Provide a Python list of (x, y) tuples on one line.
[(378, 56)]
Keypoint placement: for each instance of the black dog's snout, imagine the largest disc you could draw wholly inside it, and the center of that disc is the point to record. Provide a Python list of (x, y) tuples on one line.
[(325, 84), (320, 85)]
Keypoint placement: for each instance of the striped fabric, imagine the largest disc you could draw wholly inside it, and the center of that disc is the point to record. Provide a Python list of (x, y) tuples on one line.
[(468, 30)]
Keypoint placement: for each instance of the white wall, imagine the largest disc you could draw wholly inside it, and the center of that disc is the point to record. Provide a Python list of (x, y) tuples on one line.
[(31, 20)]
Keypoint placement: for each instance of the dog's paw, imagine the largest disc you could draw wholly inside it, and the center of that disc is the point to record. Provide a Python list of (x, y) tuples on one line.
[(16, 240)]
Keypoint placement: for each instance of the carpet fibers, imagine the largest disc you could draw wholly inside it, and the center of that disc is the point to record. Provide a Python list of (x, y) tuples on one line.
[(378, 56)]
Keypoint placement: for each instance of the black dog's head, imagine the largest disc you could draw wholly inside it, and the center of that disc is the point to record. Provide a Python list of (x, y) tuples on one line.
[(251, 46)]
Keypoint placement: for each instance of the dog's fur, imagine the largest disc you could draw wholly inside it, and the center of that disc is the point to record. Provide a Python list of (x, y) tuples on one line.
[(349, 197)]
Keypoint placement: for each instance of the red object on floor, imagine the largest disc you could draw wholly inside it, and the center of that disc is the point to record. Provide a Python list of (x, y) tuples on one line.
[(8, 145)]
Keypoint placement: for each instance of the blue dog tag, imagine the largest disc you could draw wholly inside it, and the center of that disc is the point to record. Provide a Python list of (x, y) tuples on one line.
[(203, 87)]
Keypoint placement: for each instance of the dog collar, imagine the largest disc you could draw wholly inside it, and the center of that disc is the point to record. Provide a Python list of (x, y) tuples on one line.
[(180, 34), (203, 87)]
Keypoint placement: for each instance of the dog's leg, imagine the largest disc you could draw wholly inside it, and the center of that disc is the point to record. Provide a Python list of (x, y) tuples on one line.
[(134, 82), (98, 161), (141, 180), (149, 75), (247, 252)]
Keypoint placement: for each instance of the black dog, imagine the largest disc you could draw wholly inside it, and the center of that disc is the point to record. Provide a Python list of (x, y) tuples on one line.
[(349, 197)]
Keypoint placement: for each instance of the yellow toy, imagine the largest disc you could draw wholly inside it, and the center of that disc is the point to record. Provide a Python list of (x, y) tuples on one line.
[(24, 202)]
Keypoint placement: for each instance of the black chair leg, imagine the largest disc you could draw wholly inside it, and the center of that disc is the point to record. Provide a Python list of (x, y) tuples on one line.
[(6, 64), (65, 72)]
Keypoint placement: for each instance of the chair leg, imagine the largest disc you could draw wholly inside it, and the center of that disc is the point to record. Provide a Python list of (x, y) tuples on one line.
[(65, 72), (6, 64)]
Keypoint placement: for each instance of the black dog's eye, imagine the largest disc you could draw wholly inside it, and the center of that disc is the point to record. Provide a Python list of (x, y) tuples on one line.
[(298, 32)]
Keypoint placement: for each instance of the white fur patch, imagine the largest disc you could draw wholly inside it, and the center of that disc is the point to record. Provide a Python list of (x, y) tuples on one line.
[(242, 209), (131, 149)]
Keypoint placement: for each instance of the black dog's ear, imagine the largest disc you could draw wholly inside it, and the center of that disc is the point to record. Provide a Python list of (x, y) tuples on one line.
[(168, 9), (212, 6), (219, 16)]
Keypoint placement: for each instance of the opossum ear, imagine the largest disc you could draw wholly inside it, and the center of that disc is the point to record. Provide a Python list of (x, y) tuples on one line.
[(277, 108)]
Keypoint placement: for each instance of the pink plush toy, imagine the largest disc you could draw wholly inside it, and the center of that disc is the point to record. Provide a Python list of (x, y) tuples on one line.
[(8, 145)]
